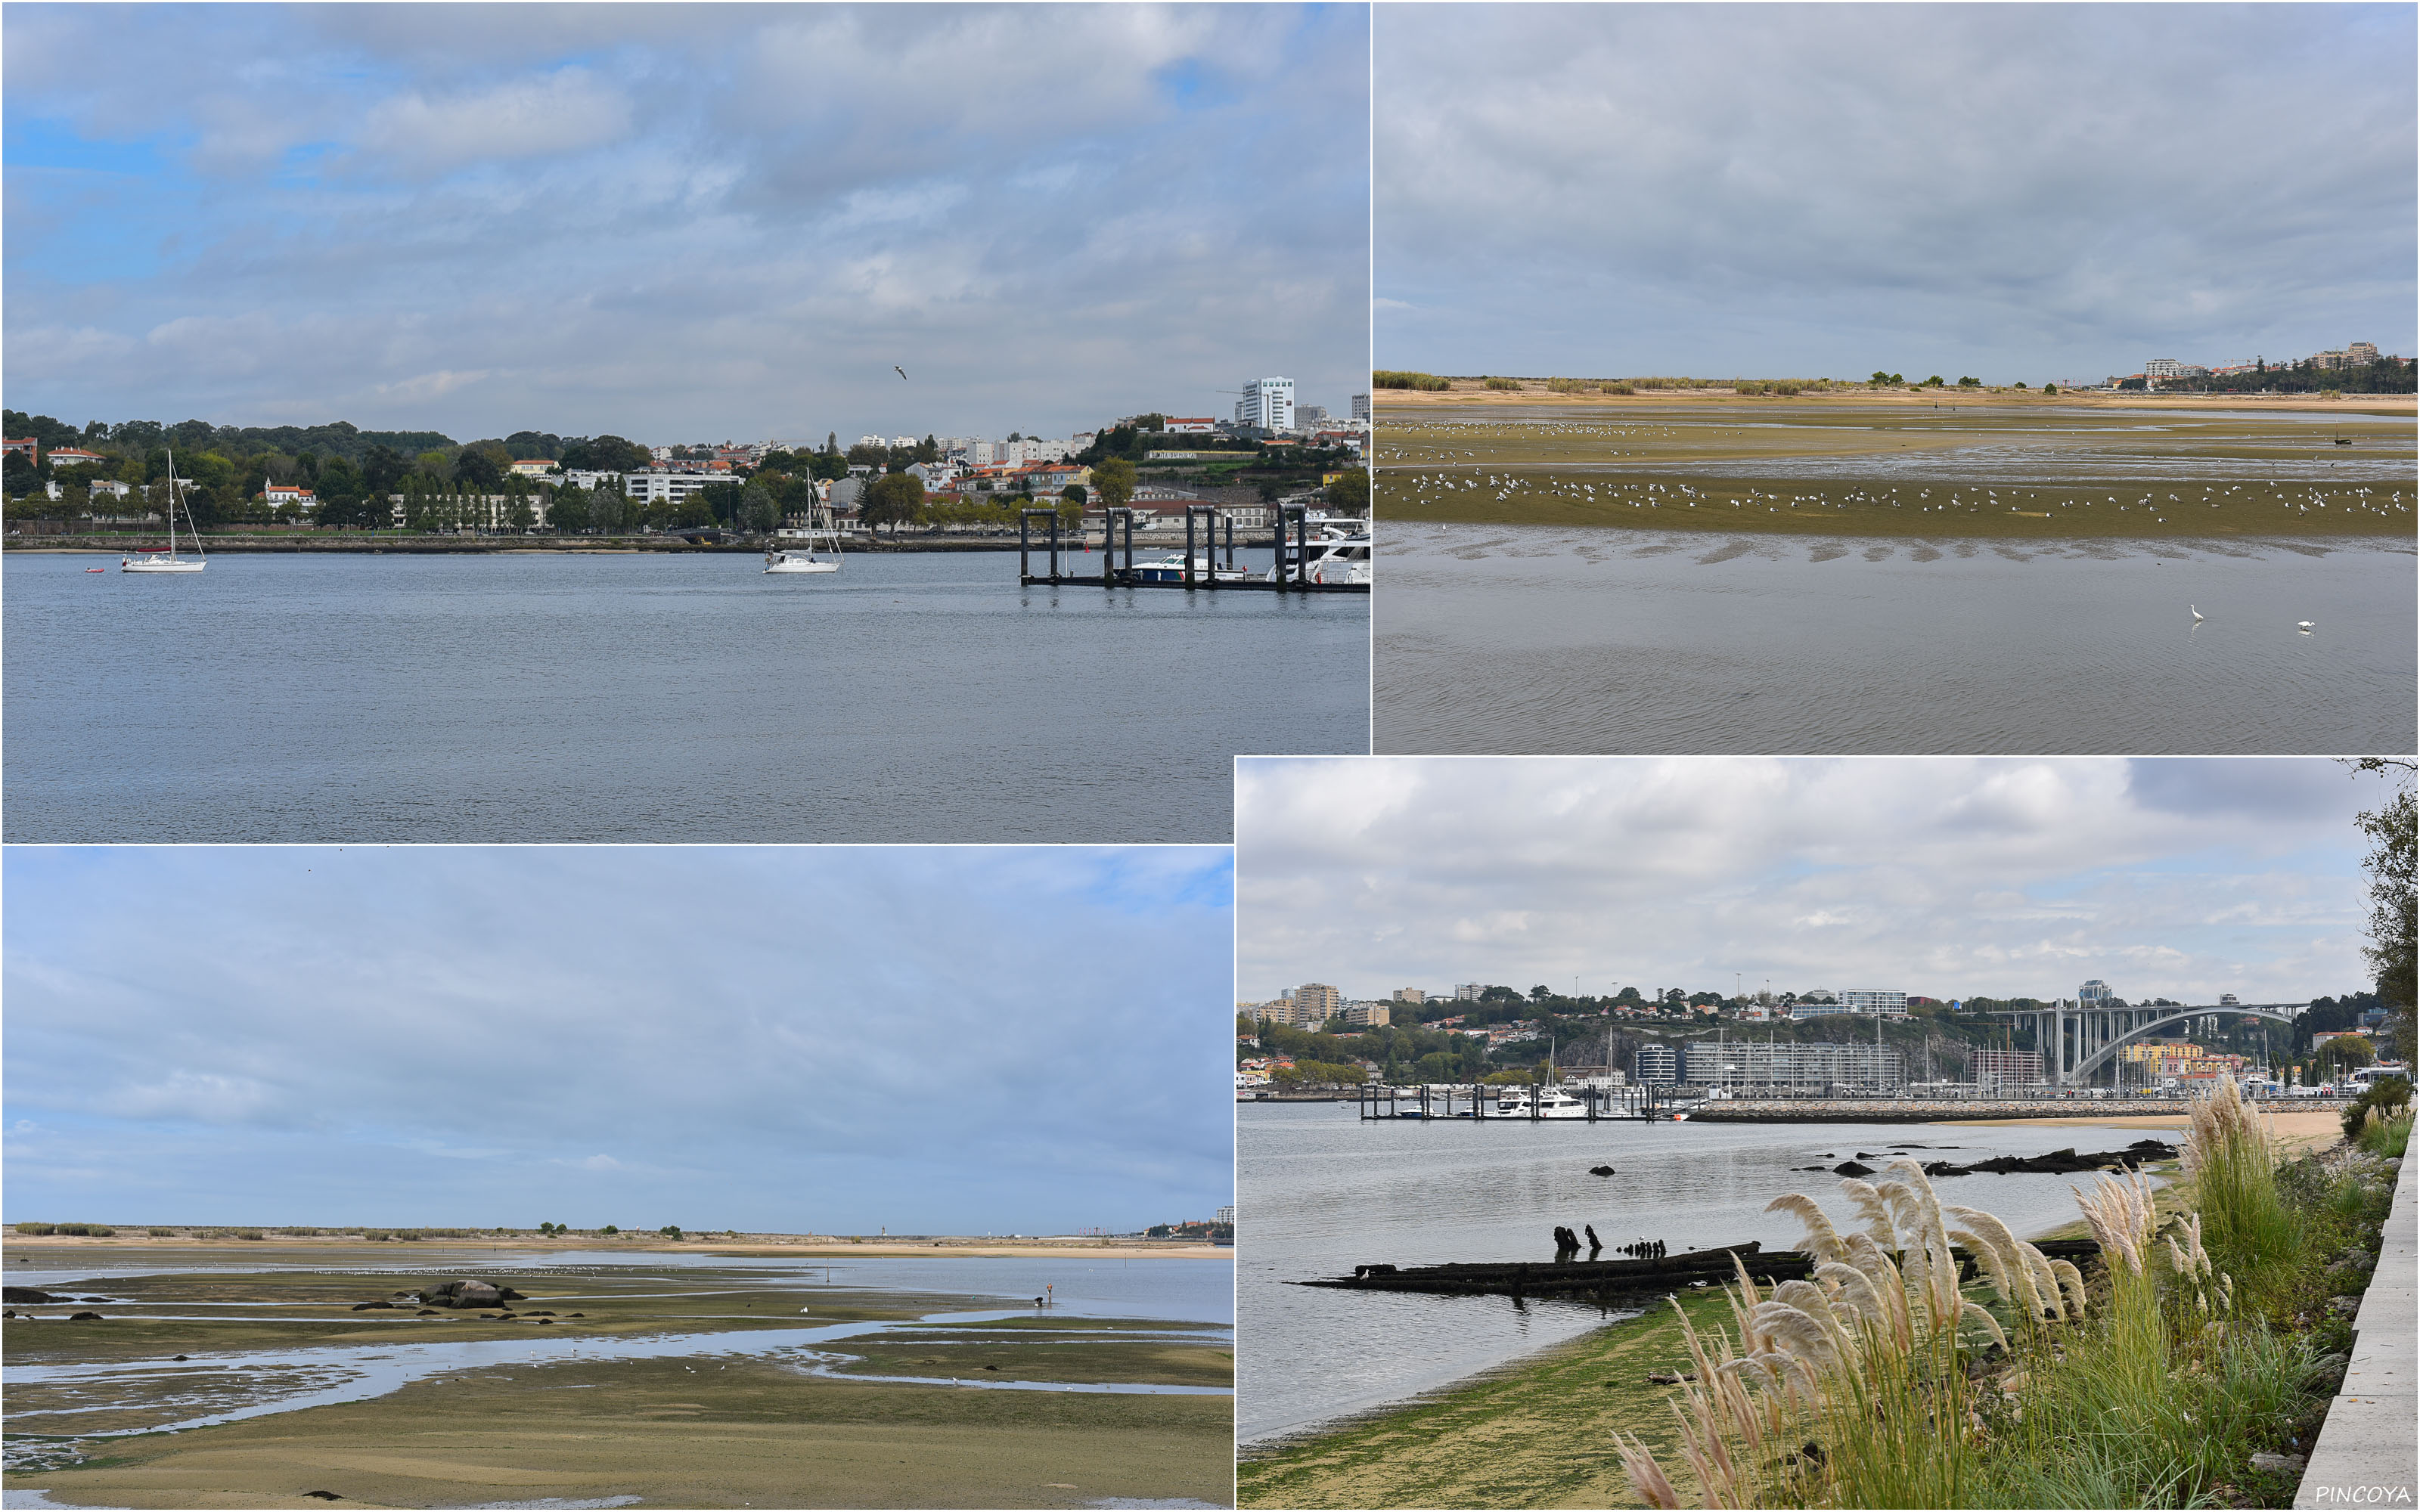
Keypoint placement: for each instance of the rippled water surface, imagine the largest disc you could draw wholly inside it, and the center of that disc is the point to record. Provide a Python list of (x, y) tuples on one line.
[(651, 697), (1541, 639), (1320, 1192)]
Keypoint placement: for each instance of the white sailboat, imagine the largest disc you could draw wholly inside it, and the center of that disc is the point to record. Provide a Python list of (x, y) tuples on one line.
[(149, 561), (822, 553)]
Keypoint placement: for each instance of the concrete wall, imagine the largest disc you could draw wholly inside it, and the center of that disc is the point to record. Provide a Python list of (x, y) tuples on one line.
[(2366, 1451)]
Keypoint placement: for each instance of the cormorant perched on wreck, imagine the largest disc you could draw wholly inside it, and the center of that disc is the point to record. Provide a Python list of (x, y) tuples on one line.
[(1594, 1244)]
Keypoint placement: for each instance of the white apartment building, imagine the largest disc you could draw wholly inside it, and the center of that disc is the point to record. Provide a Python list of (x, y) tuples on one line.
[(2095, 991), (659, 483), (1467, 992), (1856, 1000), (2164, 367), (1360, 406), (1266, 404)]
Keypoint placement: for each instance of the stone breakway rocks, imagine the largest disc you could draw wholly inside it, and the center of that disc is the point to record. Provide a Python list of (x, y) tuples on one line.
[(2366, 1451)]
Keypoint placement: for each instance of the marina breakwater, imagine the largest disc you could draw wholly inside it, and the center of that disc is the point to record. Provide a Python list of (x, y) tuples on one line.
[(1932, 1110)]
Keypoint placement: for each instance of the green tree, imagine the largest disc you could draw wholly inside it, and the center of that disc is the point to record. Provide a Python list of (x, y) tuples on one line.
[(759, 511), (1881, 377), (569, 513), (2049, 388), (1350, 493), (1970, 383), (1114, 481), (2391, 867), (1074, 494), (895, 499), (928, 450)]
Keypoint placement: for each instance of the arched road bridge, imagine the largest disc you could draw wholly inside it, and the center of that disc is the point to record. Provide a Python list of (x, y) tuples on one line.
[(2077, 1040)]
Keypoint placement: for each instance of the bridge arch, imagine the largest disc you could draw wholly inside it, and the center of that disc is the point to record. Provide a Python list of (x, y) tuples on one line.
[(2274, 1012)]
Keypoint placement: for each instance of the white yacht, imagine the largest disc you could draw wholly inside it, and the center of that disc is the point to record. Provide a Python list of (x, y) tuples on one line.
[(1339, 552), (1170, 569), (145, 560)]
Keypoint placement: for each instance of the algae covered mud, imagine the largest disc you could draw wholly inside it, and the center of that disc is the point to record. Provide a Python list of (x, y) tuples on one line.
[(614, 1378), (2031, 470)]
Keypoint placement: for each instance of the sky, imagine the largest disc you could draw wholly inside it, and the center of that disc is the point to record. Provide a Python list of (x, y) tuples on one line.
[(682, 224), (2013, 192), (1945, 877), (820, 1038)]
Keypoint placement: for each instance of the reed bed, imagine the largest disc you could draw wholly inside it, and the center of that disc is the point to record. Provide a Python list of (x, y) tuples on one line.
[(1885, 1381)]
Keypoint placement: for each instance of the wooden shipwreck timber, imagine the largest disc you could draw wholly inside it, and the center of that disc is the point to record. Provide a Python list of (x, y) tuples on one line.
[(1578, 1278)]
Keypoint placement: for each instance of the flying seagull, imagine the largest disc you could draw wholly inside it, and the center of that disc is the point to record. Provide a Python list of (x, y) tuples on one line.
[(901, 371)]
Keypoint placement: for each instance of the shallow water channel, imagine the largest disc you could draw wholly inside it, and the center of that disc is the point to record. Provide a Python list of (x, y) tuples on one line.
[(56, 1403)]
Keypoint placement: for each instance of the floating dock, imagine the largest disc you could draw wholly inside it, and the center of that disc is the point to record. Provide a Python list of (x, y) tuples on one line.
[(1286, 577)]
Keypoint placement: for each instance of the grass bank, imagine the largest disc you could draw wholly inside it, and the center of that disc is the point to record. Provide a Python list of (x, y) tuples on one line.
[(1536, 1434)]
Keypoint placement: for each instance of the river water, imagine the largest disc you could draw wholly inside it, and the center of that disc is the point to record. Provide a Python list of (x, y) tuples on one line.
[(1320, 1192), (651, 697), (1541, 639)]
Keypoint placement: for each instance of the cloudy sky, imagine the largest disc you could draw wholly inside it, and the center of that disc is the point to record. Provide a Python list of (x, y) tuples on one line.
[(1945, 877), (682, 223), (2015, 191), (820, 1038)]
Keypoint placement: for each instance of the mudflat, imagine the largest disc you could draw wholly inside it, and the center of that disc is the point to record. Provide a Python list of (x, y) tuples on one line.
[(1992, 468), (719, 1381)]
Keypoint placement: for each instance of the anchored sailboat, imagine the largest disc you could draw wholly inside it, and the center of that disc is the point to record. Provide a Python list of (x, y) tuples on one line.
[(822, 539), (152, 560)]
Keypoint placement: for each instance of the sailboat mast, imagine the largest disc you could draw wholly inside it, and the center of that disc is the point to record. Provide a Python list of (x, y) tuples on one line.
[(172, 501)]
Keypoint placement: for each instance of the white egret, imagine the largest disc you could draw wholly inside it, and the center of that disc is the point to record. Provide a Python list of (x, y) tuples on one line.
[(2195, 612)]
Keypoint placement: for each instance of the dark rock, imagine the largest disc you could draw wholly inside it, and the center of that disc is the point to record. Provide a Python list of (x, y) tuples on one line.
[(991, 1368), (29, 1295), (1850, 1167), (2059, 1162), (1600, 1170), (323, 1496), (373, 1306), (545, 1322), (579, 1314), (83, 1318), (424, 1312), (179, 1357)]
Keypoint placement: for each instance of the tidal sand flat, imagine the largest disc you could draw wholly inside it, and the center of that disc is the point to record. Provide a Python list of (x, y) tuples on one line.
[(579, 698), (1951, 468), (692, 1380)]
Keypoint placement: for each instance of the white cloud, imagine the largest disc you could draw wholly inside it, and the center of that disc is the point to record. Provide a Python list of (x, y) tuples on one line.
[(565, 112)]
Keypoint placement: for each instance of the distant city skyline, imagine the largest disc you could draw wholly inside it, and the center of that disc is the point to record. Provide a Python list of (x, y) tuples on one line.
[(1940, 877), (2015, 192), (681, 223)]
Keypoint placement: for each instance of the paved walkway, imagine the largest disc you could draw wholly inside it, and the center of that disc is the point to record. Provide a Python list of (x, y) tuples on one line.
[(2365, 1456)]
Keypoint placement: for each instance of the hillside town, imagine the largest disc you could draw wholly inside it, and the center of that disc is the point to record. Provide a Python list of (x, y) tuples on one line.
[(1815, 1042), (1268, 451)]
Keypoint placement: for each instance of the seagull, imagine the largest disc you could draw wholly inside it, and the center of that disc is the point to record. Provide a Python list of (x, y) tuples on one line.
[(2303, 625), (901, 371), (2195, 612)]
